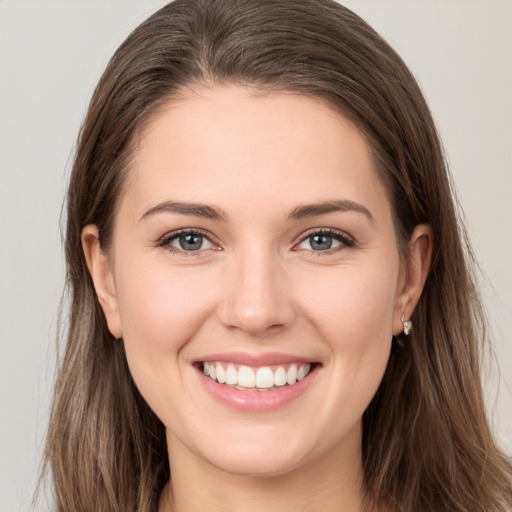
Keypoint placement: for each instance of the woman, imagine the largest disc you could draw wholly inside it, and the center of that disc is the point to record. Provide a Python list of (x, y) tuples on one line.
[(272, 307)]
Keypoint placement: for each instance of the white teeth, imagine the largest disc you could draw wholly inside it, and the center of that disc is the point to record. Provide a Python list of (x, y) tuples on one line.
[(246, 377), (280, 377), (291, 375), (221, 374), (302, 371), (263, 378), (231, 375)]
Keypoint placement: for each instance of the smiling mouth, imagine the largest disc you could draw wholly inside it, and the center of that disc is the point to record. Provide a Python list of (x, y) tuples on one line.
[(264, 378)]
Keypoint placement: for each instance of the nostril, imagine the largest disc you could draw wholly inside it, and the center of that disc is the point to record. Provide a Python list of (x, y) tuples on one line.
[(256, 299)]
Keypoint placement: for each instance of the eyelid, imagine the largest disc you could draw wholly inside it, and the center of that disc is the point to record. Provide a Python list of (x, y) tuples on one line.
[(165, 240), (339, 235), (344, 238)]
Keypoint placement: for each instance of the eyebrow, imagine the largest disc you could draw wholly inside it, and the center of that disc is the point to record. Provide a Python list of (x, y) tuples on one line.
[(197, 210), (322, 208), (300, 212)]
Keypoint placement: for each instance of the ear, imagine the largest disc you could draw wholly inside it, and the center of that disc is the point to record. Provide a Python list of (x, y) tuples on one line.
[(413, 274), (100, 268)]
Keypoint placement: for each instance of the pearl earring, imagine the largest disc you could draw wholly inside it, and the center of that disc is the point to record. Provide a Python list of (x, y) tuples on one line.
[(407, 325)]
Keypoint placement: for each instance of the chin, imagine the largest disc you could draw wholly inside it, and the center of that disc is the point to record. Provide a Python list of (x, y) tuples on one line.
[(258, 466), (266, 454)]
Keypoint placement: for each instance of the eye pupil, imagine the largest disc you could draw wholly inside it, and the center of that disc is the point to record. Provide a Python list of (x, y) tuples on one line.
[(191, 242), (320, 242)]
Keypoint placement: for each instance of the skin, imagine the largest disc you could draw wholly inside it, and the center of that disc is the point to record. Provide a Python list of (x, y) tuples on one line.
[(256, 286)]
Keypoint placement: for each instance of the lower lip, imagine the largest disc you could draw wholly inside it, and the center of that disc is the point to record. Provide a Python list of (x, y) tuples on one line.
[(257, 401)]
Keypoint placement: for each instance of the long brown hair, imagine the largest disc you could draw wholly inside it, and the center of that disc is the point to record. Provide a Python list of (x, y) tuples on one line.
[(426, 440)]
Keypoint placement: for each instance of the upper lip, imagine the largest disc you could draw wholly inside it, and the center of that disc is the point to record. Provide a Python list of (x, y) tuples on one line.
[(254, 360)]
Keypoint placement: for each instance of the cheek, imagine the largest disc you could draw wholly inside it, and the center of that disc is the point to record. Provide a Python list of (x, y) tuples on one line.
[(161, 308), (158, 302), (352, 305), (352, 310)]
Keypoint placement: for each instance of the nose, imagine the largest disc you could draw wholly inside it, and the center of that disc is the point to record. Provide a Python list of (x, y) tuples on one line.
[(258, 298)]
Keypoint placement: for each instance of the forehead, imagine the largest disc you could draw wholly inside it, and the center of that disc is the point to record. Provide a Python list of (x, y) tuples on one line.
[(229, 144)]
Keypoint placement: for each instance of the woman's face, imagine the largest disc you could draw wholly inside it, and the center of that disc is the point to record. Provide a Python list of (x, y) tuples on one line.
[(253, 237)]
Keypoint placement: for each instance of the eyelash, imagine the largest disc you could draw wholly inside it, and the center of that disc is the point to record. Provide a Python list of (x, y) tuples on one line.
[(345, 240), (168, 238)]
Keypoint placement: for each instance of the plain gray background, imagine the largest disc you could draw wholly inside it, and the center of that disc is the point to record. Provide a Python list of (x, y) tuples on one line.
[(52, 54)]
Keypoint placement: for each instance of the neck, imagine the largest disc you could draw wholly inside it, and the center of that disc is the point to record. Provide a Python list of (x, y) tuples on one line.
[(330, 483)]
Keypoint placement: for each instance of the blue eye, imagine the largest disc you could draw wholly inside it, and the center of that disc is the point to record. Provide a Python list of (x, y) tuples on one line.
[(190, 242), (322, 241), (187, 241)]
